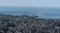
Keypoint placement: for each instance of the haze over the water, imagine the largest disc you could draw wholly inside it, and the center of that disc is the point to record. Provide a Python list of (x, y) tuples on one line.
[(50, 8), (30, 3)]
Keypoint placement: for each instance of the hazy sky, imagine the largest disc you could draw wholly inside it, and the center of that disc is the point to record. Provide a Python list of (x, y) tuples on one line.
[(39, 3)]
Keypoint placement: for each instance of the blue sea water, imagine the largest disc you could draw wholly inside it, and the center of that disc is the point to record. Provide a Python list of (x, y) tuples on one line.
[(44, 12)]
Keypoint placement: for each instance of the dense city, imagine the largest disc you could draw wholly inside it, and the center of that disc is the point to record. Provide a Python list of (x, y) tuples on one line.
[(28, 24)]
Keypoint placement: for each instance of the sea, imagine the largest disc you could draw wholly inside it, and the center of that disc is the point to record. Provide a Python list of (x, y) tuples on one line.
[(41, 12)]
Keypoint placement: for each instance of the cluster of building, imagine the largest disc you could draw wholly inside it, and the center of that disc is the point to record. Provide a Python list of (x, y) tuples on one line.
[(28, 24)]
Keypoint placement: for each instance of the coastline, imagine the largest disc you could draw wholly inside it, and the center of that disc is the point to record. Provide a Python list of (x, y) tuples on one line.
[(28, 24)]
